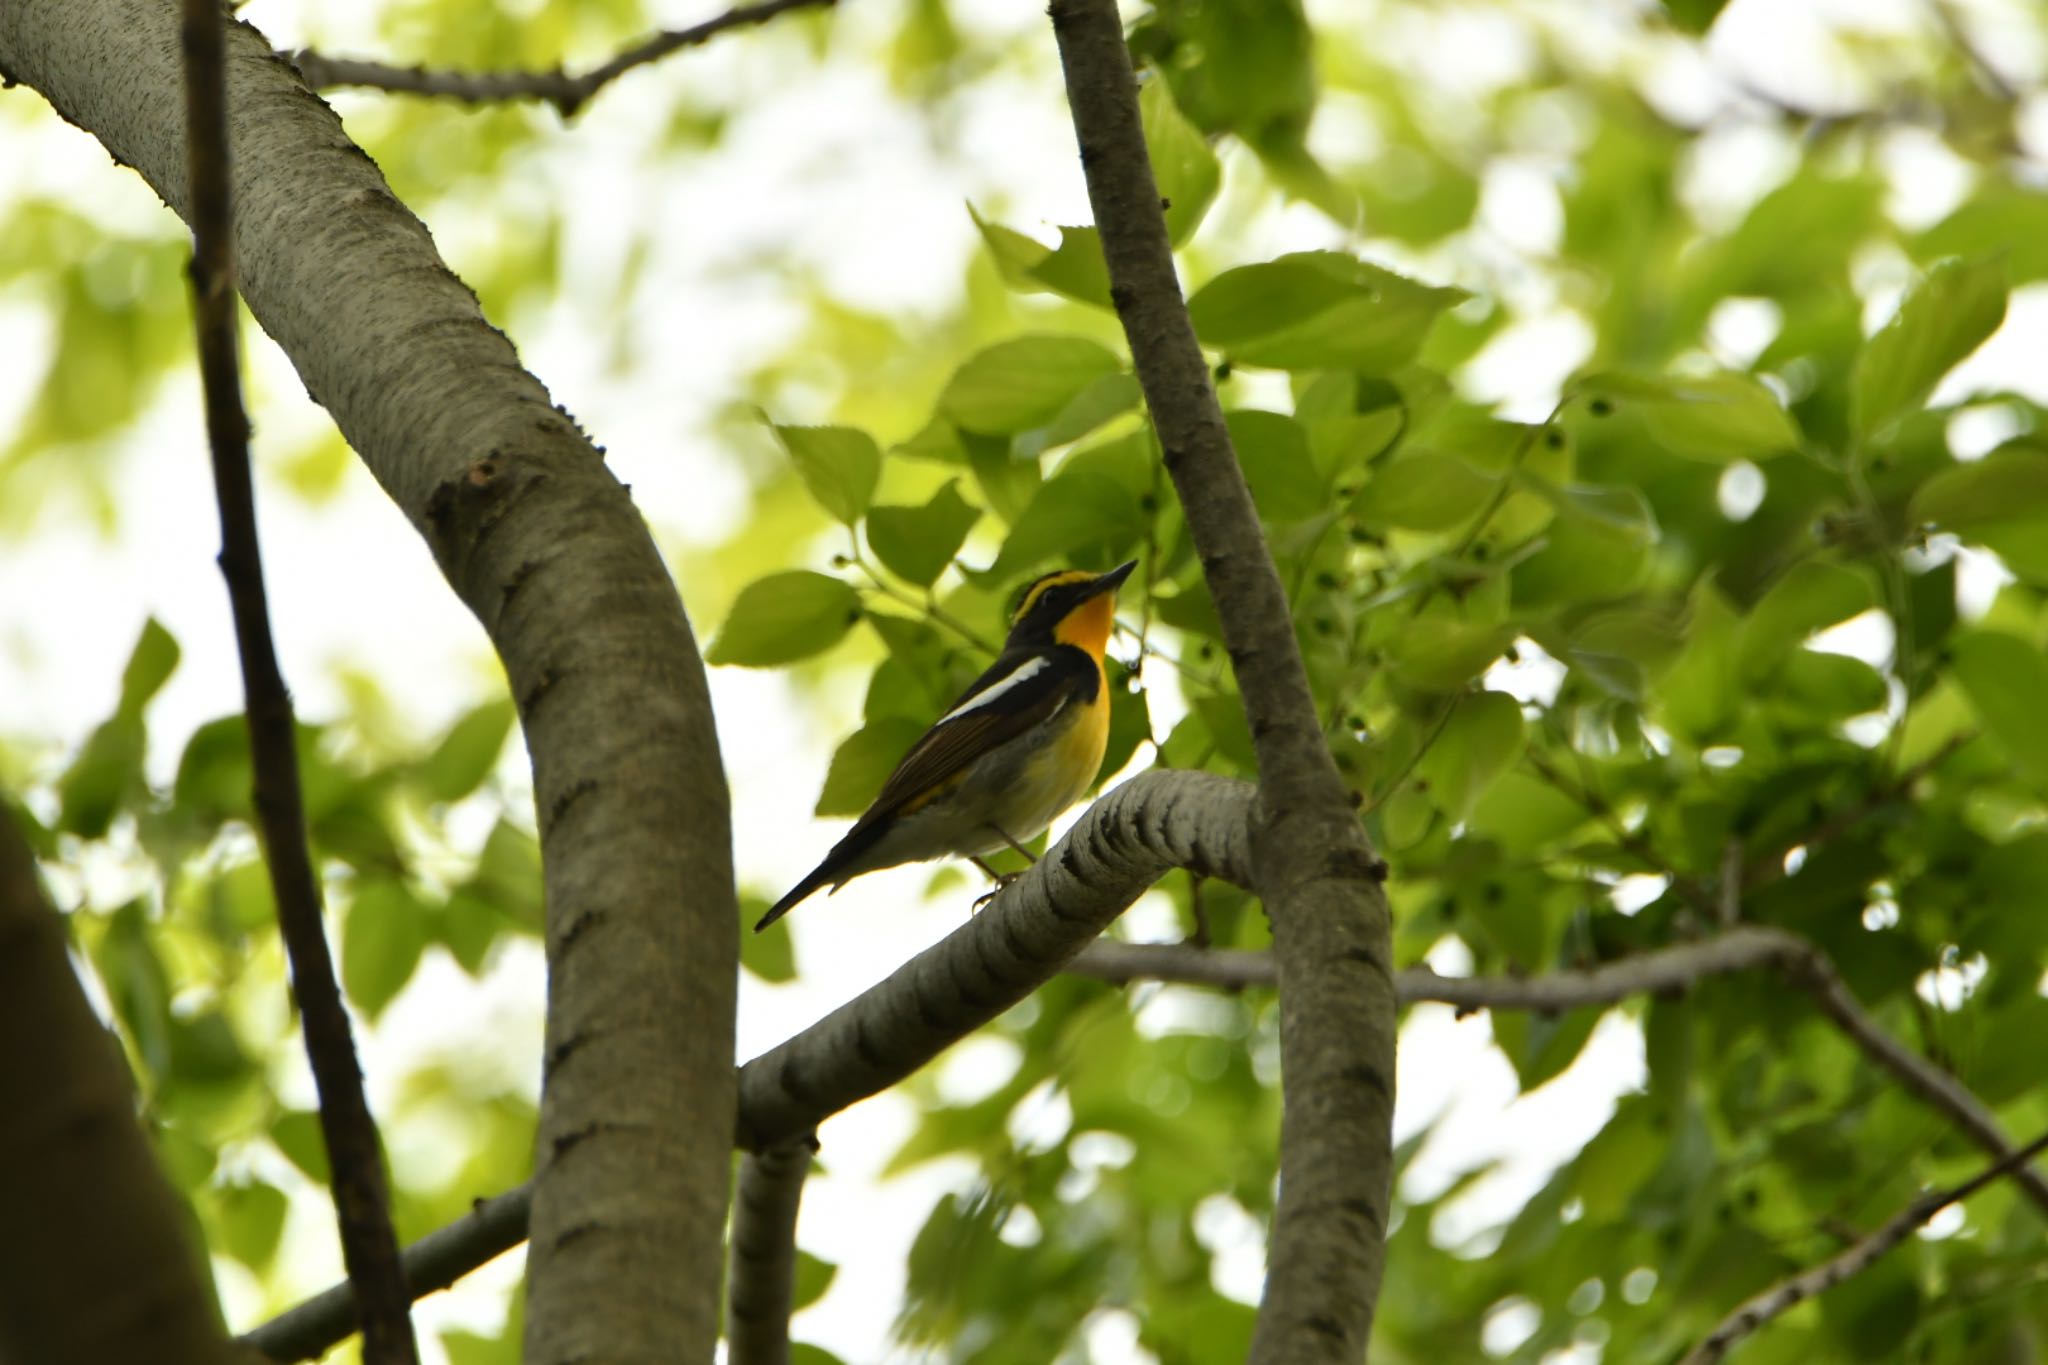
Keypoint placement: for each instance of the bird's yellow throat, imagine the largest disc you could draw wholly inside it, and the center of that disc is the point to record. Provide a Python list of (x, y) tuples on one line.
[(1088, 625)]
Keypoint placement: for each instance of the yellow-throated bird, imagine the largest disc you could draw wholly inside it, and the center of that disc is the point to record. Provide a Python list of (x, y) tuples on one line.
[(1020, 746)]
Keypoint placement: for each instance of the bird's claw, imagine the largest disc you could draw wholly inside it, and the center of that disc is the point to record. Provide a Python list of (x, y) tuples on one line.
[(1003, 880)]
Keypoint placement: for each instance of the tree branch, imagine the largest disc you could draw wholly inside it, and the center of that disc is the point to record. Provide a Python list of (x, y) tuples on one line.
[(1745, 948), (764, 1254), (1149, 803), (96, 1268), (1119, 847), (546, 548), (369, 1245), (435, 1261), (1313, 867), (1856, 1259), (566, 92)]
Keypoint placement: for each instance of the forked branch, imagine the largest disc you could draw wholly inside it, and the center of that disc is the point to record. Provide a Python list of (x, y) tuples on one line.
[(566, 92)]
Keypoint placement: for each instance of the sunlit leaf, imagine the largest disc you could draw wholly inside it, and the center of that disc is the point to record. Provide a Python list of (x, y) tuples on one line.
[(839, 465), (783, 618), (1947, 316)]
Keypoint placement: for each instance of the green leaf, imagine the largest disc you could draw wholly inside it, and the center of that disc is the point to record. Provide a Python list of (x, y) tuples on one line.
[(1949, 315), (137, 985), (1272, 449), (813, 1278), (251, 1222), (2006, 680), (508, 875), (1597, 546), (783, 618), (1719, 418), (1014, 252), (215, 776), (1076, 511), (381, 941), (1812, 596), (2010, 485), (1015, 385), (297, 1134), (150, 665), (1316, 310), (839, 465), (1076, 267), (1442, 655), (771, 957), (917, 543), (1106, 398), (1693, 16), (863, 761), (1187, 171), (1426, 491), (467, 753), (108, 768), (1481, 740)]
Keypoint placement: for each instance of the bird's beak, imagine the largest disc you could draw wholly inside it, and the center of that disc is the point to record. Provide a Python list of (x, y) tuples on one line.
[(1112, 580)]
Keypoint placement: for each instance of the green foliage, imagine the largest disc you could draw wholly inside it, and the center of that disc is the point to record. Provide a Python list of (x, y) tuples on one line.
[(783, 618), (1567, 664)]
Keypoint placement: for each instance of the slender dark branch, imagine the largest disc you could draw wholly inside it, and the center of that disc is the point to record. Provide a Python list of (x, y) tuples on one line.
[(1853, 1261), (443, 1256), (1937, 1087), (762, 1283), (1315, 869), (566, 92), (437, 1260), (369, 1245)]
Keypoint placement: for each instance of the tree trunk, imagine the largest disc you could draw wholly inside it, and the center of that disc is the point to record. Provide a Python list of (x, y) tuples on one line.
[(545, 546)]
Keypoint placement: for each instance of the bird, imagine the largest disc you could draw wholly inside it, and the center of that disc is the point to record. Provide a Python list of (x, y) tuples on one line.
[(1022, 744)]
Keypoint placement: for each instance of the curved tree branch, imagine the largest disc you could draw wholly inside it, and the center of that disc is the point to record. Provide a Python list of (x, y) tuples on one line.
[(1853, 1261), (362, 1205), (96, 1268), (764, 1253), (442, 1256), (566, 92), (546, 548), (1119, 847), (1313, 866), (434, 1262)]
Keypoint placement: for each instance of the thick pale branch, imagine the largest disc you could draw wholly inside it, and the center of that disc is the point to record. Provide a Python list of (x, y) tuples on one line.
[(545, 547), (1853, 1261), (369, 1245), (444, 1255), (1313, 866), (566, 92), (95, 1268), (763, 1276), (1124, 843)]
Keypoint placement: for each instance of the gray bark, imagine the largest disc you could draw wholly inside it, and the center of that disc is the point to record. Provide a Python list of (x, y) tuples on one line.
[(544, 545)]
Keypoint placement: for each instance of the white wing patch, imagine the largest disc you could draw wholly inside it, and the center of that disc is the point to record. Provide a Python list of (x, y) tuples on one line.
[(1028, 670)]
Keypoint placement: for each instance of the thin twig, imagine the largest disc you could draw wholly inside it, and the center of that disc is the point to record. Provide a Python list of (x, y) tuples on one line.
[(762, 1285), (369, 1245), (437, 1260), (566, 92), (1856, 1259)]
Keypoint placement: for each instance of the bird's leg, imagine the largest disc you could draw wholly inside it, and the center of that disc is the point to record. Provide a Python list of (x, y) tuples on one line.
[(1029, 856)]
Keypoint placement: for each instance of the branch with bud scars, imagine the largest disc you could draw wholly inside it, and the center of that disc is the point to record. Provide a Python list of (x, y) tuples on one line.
[(1048, 921), (566, 92)]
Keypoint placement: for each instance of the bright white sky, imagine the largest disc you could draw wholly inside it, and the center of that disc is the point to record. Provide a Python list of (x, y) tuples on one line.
[(839, 176)]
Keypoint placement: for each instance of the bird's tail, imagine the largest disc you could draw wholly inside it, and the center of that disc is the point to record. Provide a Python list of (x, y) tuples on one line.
[(797, 895)]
